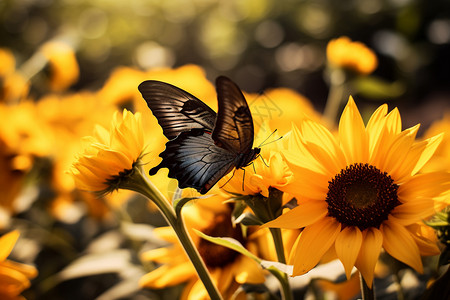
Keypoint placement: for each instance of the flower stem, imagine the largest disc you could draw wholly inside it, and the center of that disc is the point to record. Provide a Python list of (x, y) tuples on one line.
[(284, 279), (140, 183), (366, 292), (335, 95)]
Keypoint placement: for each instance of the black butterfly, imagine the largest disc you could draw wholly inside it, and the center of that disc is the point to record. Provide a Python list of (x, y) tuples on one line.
[(203, 147)]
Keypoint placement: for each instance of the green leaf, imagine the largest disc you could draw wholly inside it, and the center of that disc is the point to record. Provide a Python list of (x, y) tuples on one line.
[(248, 219), (179, 203), (237, 246), (229, 243)]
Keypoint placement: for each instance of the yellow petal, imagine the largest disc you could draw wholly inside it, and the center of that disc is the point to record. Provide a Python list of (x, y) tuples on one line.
[(315, 134), (398, 152), (348, 244), (432, 144), (307, 183), (314, 242), (166, 275), (413, 211), (369, 253), (12, 282), (352, 134), (26, 270), (247, 270), (427, 185), (303, 215), (375, 127), (425, 238), (397, 241), (394, 122), (7, 243)]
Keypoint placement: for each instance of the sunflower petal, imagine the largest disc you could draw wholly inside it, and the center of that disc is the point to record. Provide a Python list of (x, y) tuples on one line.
[(314, 242), (352, 134), (8, 241), (369, 253), (413, 211), (303, 215), (397, 241), (166, 275), (248, 271), (348, 244)]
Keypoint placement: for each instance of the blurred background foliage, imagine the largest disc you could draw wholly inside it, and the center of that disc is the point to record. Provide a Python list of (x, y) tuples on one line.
[(258, 43)]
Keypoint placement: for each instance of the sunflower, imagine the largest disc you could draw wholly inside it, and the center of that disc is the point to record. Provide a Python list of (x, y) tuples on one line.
[(344, 53), (361, 192), (63, 64), (228, 268), (14, 277), (110, 156)]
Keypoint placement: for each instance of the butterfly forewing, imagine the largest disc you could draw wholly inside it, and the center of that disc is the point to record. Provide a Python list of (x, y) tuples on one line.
[(234, 125), (194, 160), (176, 110)]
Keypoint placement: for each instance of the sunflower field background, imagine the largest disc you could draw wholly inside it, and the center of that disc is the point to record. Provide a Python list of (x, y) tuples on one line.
[(71, 68)]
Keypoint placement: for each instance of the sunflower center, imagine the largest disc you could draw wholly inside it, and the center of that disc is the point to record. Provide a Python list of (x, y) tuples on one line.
[(362, 196), (215, 255)]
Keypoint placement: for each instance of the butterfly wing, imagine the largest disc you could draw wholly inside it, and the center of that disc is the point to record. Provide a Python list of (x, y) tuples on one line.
[(234, 125), (176, 110), (195, 161)]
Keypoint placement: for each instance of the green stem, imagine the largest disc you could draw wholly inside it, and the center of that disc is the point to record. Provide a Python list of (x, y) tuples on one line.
[(366, 292), (140, 183), (283, 278), (335, 95)]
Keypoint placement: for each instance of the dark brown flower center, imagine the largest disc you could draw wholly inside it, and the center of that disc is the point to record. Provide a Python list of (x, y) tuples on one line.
[(215, 255), (362, 196)]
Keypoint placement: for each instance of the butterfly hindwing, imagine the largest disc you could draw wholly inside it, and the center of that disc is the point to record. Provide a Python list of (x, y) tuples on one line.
[(234, 125), (176, 110), (194, 160)]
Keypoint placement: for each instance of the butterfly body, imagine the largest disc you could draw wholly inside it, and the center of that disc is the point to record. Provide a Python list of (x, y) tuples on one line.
[(203, 146)]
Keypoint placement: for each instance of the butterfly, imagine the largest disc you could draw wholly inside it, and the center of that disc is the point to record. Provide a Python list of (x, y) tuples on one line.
[(203, 146)]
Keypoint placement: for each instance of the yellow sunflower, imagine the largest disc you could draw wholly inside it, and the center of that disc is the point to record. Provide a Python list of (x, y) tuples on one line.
[(228, 268), (361, 191), (110, 156), (63, 65), (344, 53), (14, 277)]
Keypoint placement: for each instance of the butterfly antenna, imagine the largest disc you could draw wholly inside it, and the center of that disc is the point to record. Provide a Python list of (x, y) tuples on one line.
[(263, 143)]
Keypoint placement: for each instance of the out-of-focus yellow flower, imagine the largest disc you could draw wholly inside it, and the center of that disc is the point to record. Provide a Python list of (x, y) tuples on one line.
[(228, 268), (14, 277), (110, 156), (343, 53), (13, 86), (64, 70), (441, 159), (278, 108), (121, 86), (361, 192), (8, 64), (346, 290)]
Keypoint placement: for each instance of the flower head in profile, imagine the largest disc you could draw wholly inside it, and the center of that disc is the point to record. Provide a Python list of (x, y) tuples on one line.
[(228, 268), (344, 53), (361, 191), (110, 156), (15, 277)]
